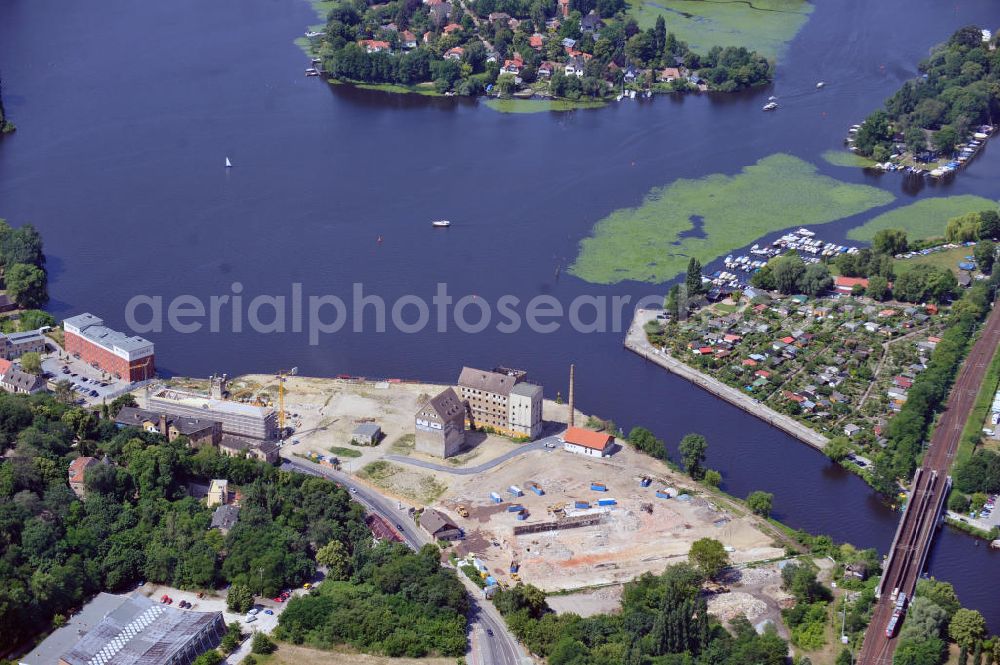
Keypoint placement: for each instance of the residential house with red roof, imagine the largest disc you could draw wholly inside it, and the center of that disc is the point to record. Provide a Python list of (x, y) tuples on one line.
[(374, 45)]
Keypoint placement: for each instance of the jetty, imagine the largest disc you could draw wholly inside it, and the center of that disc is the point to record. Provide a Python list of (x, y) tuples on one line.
[(636, 342)]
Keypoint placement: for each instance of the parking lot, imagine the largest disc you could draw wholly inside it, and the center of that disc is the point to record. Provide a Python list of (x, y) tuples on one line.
[(89, 383)]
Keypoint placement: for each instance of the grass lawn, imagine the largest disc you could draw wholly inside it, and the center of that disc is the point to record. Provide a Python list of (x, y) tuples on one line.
[(923, 219), (290, 654), (654, 241), (419, 89), (345, 452), (846, 158), (949, 259), (540, 105), (766, 26)]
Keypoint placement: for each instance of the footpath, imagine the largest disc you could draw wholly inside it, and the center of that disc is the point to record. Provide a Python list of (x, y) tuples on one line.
[(635, 341)]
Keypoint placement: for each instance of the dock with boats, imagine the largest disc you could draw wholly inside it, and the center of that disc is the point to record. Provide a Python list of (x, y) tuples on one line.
[(738, 269), (966, 152)]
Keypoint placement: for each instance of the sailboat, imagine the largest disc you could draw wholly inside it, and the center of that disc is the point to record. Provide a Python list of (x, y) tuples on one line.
[(229, 164)]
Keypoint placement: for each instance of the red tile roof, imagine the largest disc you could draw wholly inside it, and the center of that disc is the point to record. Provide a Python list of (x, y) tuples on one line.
[(78, 466), (452, 27), (847, 283), (587, 438), (4, 366)]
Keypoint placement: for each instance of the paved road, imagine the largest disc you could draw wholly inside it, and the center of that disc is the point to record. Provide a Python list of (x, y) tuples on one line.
[(499, 649), (552, 441), (916, 528)]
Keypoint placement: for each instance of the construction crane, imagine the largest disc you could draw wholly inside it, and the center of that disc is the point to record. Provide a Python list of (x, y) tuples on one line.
[(282, 375)]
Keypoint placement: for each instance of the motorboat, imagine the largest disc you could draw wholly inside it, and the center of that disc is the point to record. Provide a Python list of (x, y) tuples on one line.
[(441, 223)]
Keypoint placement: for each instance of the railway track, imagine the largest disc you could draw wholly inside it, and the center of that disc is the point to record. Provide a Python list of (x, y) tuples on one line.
[(931, 484)]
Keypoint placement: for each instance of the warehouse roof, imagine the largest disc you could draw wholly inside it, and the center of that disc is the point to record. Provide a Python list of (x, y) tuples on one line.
[(526, 390), (93, 329), (491, 382), (139, 632)]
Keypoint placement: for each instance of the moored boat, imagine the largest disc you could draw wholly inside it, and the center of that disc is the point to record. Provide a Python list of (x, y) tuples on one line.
[(441, 223)]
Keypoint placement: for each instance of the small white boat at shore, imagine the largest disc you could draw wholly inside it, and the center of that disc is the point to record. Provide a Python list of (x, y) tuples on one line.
[(229, 164), (770, 106), (440, 223)]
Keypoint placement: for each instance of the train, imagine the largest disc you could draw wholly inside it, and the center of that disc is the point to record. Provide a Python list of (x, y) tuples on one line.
[(897, 616)]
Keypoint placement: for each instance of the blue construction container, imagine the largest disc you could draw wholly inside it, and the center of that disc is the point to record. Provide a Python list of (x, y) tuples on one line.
[(490, 580), (514, 507), (607, 502), (645, 482), (515, 490), (662, 494), (536, 488), (599, 487), (523, 515), (582, 504), (496, 498)]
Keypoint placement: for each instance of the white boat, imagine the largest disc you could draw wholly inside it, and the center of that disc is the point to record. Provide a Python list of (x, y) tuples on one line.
[(441, 223), (619, 97), (631, 94), (229, 164), (772, 98), (820, 84), (769, 106), (312, 72)]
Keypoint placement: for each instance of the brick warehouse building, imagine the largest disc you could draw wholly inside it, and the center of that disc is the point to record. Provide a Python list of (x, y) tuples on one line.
[(130, 358)]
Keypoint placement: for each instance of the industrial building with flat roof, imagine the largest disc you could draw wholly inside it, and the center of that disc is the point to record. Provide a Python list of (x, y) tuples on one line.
[(130, 630), (237, 418), (126, 357)]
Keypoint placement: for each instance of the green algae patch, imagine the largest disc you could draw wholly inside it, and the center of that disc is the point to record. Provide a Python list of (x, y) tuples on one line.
[(766, 26), (846, 158), (711, 216), (419, 89), (540, 105), (922, 219)]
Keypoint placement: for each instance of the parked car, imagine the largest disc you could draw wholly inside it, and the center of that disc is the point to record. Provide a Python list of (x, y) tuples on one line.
[(268, 612), (251, 619), (278, 599), (253, 610)]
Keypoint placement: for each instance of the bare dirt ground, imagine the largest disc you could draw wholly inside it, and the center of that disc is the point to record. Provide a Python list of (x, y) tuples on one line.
[(606, 600), (289, 654), (640, 534)]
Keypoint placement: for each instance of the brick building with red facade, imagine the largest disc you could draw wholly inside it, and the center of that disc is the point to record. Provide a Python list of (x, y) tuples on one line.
[(129, 358)]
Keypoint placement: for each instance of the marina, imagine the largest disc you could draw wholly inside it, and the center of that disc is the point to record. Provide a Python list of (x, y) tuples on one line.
[(738, 269), (924, 163)]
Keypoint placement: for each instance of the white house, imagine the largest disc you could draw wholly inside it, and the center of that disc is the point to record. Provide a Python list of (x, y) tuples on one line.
[(587, 442)]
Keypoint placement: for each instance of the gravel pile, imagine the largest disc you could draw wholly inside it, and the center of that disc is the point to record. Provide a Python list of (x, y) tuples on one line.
[(728, 606)]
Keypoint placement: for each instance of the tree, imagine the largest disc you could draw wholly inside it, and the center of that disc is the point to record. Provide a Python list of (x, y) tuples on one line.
[(121, 401), (64, 392), (231, 640), (713, 478), (816, 279), (926, 651), (958, 502), (845, 657), (33, 319), (945, 139), (210, 657), (941, 594), (27, 285), (240, 597), (924, 619), (788, 270), (693, 278), (989, 224), (262, 644), (764, 278), (838, 448), (760, 503), (967, 627), (31, 363), (963, 228), (334, 556), (890, 241), (878, 288), (985, 252), (693, 448), (709, 556)]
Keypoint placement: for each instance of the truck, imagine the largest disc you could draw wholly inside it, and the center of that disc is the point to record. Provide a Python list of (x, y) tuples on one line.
[(662, 494), (606, 502), (462, 510), (514, 507), (645, 481)]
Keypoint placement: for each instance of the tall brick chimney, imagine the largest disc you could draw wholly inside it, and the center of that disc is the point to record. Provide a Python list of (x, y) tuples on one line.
[(572, 406), (163, 425)]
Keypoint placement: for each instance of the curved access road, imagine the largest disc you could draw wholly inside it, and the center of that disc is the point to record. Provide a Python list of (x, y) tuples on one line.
[(551, 441), (500, 648)]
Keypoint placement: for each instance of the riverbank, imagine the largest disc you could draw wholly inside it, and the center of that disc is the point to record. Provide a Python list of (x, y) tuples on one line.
[(635, 341)]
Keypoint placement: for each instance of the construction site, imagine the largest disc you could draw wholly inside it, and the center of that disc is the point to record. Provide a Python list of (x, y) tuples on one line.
[(562, 521)]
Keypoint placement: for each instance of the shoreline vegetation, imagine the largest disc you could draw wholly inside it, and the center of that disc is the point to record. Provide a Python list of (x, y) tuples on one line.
[(545, 51), (654, 241), (931, 116), (6, 126)]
